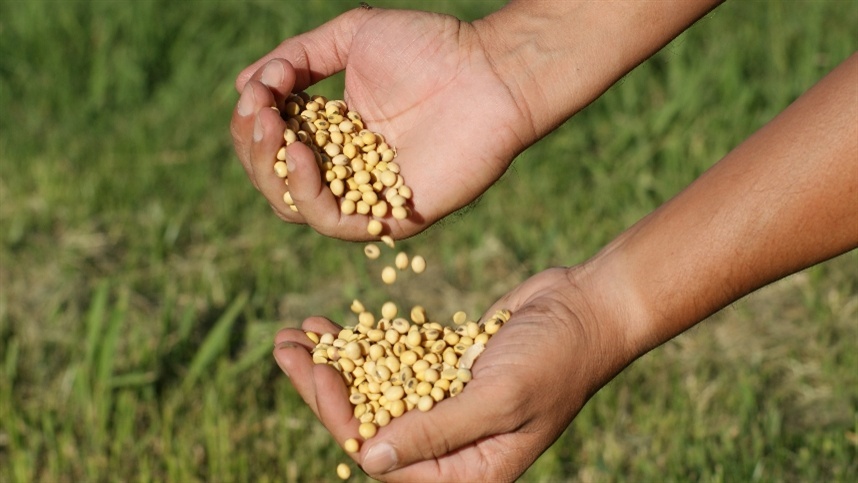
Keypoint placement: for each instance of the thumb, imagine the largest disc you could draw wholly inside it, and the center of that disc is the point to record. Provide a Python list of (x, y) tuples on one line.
[(316, 54), (420, 436), (315, 202)]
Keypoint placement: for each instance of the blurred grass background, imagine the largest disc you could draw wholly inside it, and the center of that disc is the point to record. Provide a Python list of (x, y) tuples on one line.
[(142, 278)]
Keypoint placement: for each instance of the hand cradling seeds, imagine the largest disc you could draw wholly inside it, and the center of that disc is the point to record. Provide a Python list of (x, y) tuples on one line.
[(393, 364), (356, 164)]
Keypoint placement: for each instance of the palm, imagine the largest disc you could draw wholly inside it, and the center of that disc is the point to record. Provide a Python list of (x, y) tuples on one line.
[(422, 80), (534, 377)]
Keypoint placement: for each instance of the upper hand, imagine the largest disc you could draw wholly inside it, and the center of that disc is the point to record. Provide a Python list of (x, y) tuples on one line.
[(422, 80)]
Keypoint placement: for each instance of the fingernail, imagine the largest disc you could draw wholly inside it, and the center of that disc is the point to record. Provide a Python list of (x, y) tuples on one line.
[(381, 458), (258, 132), (272, 76), (245, 102)]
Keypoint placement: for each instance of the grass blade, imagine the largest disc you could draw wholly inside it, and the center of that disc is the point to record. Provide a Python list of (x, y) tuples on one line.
[(215, 342)]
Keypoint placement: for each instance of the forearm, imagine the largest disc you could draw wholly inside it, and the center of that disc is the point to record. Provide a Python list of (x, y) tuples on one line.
[(557, 56), (785, 199)]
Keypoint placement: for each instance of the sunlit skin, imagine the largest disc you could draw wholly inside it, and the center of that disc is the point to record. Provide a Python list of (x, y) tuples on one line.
[(422, 80), (781, 201), (458, 100)]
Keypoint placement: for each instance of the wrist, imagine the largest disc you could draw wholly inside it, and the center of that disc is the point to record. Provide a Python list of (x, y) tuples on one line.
[(556, 57), (612, 315)]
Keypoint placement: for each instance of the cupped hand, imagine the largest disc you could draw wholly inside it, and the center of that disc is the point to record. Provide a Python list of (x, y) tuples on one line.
[(536, 374), (423, 80)]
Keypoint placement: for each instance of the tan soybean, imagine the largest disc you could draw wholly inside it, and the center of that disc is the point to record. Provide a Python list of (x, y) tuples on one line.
[(351, 445), (343, 471)]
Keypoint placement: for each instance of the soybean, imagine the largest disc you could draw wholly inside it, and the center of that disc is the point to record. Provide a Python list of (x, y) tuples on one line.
[(343, 471)]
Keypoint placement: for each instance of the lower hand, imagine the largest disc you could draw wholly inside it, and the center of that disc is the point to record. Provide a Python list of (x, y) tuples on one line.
[(536, 374)]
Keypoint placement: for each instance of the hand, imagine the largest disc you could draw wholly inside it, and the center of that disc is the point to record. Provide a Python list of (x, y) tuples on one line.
[(423, 80), (535, 375)]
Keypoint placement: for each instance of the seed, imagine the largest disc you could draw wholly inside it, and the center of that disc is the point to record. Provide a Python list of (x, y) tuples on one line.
[(473, 329), (387, 178), (314, 337), (337, 187), (418, 264), (379, 210), (351, 445), (370, 198), (418, 314), (347, 206), (343, 471), (423, 388), (332, 149), (397, 408), (430, 335), (383, 373), (400, 325), (438, 346), (450, 356), (397, 201), (401, 261), (367, 430), (463, 374), (492, 326), (362, 177), (425, 403), (289, 136), (357, 307), (388, 274), (374, 228), (388, 241), (372, 252), (362, 208), (347, 127), (351, 350), (388, 310), (456, 387), (399, 212), (280, 169), (408, 358), (382, 417), (443, 384), (375, 335)]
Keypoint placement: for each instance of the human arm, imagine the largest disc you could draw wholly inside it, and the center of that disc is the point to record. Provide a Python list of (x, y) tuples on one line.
[(783, 200), (459, 100)]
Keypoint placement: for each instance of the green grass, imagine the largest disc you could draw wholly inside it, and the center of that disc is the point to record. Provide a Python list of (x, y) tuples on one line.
[(142, 278)]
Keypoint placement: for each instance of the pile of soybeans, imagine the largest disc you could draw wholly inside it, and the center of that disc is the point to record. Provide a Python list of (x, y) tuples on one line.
[(390, 363), (356, 163)]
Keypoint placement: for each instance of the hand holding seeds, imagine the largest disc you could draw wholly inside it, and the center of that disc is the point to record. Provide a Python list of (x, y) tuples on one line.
[(452, 121), (533, 377)]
